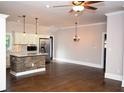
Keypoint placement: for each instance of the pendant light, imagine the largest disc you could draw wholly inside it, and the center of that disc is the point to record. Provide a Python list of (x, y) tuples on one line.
[(36, 26), (24, 25), (76, 38)]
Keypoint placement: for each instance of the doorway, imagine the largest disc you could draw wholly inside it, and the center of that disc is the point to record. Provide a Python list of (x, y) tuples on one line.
[(104, 51)]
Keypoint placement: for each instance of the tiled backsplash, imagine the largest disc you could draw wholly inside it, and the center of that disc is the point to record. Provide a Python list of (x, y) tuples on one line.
[(19, 48)]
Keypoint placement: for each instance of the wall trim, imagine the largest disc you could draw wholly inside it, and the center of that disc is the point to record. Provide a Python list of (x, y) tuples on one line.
[(122, 85), (114, 13), (3, 15), (27, 72), (85, 25), (113, 76), (79, 62)]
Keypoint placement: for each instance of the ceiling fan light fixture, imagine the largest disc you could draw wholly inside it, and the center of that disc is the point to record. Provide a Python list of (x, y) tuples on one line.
[(78, 8)]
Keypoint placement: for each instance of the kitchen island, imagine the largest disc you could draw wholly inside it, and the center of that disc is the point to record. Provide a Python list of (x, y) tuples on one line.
[(22, 64)]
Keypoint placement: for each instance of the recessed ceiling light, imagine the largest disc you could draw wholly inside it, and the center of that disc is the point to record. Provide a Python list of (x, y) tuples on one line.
[(47, 6), (18, 21)]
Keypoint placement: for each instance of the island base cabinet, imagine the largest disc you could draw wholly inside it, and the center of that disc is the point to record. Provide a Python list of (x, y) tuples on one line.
[(27, 63)]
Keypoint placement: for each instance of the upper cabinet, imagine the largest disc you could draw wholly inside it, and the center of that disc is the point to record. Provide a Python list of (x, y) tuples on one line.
[(20, 38)]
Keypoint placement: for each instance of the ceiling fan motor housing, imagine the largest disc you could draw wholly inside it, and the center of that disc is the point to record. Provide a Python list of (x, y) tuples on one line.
[(77, 3)]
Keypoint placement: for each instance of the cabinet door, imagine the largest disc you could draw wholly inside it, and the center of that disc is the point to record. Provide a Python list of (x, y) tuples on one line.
[(39, 61), (19, 38), (27, 39), (17, 63), (28, 64)]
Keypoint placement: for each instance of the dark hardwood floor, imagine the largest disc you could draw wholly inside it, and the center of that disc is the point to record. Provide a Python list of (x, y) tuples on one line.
[(65, 77)]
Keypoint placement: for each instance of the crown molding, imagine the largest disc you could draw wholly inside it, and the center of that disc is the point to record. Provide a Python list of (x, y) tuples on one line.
[(114, 13), (93, 24), (4, 15)]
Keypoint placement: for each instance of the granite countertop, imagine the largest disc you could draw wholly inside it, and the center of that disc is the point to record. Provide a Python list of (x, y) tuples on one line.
[(28, 54)]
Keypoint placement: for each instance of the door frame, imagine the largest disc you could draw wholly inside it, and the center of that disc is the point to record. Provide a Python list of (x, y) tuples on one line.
[(51, 47), (102, 53)]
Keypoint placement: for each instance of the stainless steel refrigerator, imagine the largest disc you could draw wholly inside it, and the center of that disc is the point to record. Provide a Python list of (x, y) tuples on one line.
[(46, 46)]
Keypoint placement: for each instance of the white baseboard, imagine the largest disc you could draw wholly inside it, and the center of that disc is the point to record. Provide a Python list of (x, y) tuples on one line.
[(27, 72), (113, 76), (122, 83), (79, 62)]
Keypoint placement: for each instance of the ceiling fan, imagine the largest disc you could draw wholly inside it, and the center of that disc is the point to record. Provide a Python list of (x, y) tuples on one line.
[(79, 6)]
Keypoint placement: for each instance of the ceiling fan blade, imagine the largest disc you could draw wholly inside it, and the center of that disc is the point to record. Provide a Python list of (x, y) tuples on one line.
[(92, 2), (62, 6), (90, 7), (71, 11), (19, 16), (88, 11)]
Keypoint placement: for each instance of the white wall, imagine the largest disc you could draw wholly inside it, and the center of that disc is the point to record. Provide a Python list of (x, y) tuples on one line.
[(115, 41), (87, 51), (2, 52)]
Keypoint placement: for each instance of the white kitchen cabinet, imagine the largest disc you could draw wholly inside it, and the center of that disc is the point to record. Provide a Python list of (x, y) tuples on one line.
[(19, 39), (27, 39)]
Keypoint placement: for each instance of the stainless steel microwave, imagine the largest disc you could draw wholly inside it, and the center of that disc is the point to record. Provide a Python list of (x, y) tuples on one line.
[(31, 48)]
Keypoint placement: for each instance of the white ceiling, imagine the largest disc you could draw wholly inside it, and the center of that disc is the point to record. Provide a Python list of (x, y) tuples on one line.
[(56, 16)]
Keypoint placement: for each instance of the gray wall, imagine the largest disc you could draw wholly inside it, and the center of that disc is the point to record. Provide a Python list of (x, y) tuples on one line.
[(88, 50)]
